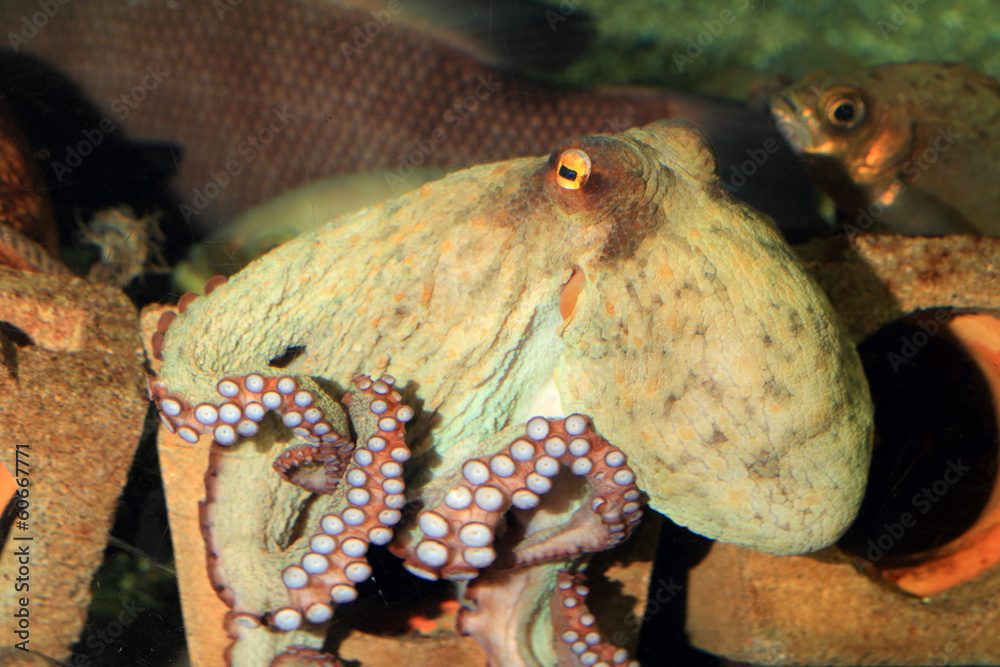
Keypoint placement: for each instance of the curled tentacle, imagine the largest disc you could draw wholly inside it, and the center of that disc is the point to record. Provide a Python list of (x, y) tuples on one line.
[(168, 316), (508, 609), (300, 656), (327, 566), (580, 643), (303, 407), (505, 614), (456, 536), (337, 559), (157, 340), (316, 468)]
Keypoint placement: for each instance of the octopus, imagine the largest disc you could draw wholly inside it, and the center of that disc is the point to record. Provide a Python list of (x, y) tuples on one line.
[(529, 352), (914, 147)]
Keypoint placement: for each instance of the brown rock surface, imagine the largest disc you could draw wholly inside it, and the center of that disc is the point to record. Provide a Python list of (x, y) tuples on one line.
[(772, 610), (183, 467), (877, 278), (72, 398)]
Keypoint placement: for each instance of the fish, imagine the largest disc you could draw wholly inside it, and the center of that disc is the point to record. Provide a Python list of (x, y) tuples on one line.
[(913, 147), (254, 233), (263, 97)]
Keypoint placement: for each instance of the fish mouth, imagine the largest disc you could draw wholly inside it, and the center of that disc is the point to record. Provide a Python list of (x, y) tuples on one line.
[(794, 123), (787, 122)]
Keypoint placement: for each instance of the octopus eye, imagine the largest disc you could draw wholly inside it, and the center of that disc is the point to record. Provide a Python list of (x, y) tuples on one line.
[(845, 111), (573, 169)]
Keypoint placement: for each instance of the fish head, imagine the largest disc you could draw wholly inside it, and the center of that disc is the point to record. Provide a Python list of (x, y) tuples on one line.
[(849, 120)]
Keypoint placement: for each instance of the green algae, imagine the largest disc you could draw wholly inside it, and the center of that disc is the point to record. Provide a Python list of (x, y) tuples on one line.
[(725, 45)]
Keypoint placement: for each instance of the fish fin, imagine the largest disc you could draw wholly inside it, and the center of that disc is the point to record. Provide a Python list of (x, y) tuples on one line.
[(507, 34), (914, 212)]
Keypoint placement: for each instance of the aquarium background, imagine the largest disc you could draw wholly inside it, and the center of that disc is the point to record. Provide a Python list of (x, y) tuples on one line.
[(728, 48)]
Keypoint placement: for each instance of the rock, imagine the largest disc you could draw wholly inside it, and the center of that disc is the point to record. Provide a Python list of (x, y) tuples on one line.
[(72, 406)]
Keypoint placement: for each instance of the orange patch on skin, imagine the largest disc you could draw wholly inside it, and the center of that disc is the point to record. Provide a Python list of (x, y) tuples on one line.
[(665, 273), (570, 293), (609, 308)]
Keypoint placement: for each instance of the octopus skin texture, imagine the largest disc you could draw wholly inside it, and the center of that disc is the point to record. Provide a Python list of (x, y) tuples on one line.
[(609, 310)]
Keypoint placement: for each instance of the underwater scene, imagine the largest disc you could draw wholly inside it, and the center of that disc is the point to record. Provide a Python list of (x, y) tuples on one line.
[(518, 333)]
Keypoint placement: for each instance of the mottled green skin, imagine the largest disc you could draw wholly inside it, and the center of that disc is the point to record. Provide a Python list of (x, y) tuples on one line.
[(698, 344)]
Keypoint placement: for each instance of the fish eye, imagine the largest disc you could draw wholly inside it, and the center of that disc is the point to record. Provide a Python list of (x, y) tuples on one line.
[(573, 169), (845, 111)]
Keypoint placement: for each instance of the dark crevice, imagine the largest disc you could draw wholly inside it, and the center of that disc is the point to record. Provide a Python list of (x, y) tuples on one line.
[(285, 359), (12, 338), (15, 335), (935, 459)]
